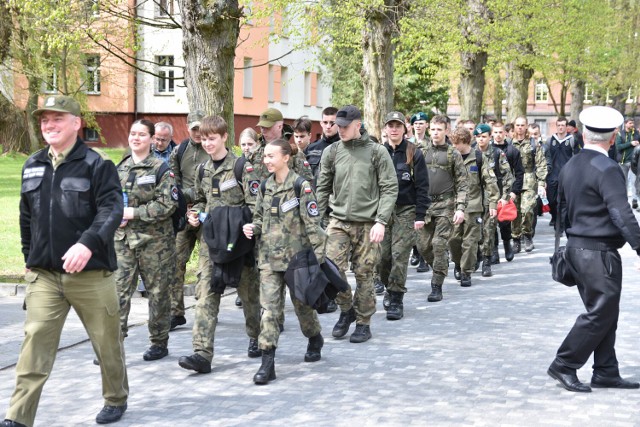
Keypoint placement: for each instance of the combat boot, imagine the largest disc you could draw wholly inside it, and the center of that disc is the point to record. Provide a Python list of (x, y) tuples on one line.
[(423, 267), (313, 349), (495, 257), (342, 325), (456, 271), (486, 267), (436, 292), (516, 245), (361, 334), (378, 286), (396, 308), (253, 350), (267, 371), (385, 301), (415, 257), (508, 250), (528, 244), (478, 259), (195, 362), (465, 281)]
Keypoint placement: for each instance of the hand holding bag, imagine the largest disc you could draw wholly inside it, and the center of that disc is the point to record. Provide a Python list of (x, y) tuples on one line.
[(561, 270), (507, 211)]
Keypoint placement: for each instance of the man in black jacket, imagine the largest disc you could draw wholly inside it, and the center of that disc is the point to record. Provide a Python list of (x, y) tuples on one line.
[(329, 136), (70, 207), (598, 220)]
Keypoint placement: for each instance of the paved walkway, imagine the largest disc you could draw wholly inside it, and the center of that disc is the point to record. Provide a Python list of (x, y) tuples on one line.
[(478, 358)]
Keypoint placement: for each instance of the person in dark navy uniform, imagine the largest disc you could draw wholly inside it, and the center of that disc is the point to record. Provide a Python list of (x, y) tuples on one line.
[(594, 212)]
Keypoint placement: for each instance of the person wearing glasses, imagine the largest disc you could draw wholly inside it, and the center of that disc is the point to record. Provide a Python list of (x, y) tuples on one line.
[(329, 136), (163, 143)]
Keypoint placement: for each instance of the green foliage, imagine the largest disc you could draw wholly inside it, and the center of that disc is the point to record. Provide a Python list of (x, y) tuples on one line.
[(11, 259)]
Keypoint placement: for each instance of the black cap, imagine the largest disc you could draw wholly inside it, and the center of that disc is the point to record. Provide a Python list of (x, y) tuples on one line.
[(572, 123), (347, 114)]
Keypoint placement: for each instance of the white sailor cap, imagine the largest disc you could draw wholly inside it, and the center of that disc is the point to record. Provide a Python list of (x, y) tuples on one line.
[(601, 119)]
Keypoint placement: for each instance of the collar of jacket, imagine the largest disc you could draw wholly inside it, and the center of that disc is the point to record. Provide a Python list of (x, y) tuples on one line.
[(79, 151), (442, 147), (363, 140), (285, 186), (401, 148), (144, 164), (227, 164), (335, 137)]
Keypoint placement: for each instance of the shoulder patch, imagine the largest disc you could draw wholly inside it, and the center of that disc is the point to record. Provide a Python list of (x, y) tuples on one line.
[(249, 168), (254, 186), (307, 190), (312, 208), (306, 163), (174, 193)]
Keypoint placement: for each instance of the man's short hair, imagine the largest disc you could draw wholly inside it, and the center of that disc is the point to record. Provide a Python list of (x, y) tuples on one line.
[(508, 127), (498, 125), (461, 136), (596, 137), (330, 111), (441, 119), (534, 125), (303, 124), (164, 125), (561, 119), (213, 125)]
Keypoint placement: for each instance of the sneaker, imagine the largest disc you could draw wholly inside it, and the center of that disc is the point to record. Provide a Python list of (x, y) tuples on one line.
[(110, 414), (195, 362), (177, 321), (155, 352), (361, 334)]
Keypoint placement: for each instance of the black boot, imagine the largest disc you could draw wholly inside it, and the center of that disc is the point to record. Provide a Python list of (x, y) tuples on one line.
[(478, 258), (465, 281), (486, 267), (528, 244), (495, 257), (508, 250), (516, 245), (342, 325), (415, 257), (385, 301), (267, 371), (378, 286), (313, 349), (436, 292), (456, 271), (396, 308), (253, 350), (423, 267)]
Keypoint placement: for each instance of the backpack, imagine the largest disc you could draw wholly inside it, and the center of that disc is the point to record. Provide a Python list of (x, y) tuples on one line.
[(237, 169), (297, 186), (179, 216), (181, 149)]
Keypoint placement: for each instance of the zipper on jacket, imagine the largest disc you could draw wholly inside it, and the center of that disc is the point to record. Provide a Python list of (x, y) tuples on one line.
[(53, 178)]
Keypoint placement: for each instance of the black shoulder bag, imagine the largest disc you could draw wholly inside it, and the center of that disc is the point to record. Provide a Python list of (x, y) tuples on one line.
[(561, 270)]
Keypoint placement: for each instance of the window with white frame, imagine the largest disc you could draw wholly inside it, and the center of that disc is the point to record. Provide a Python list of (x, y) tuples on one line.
[(51, 82), (542, 91), (92, 75), (588, 93), (166, 75), (247, 78), (284, 85), (307, 88), (91, 135), (164, 8)]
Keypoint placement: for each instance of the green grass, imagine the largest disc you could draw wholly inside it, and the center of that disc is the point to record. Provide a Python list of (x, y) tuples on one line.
[(11, 258)]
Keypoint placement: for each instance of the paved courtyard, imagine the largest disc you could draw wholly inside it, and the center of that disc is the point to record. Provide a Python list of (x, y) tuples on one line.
[(478, 358)]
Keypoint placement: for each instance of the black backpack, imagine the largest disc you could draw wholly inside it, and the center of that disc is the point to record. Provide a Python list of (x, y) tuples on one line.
[(179, 216)]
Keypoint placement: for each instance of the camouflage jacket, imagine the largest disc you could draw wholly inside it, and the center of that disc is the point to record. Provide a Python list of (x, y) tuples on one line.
[(285, 224), (506, 179), (534, 163), (153, 202), (185, 170), (447, 179), (479, 181), (219, 187)]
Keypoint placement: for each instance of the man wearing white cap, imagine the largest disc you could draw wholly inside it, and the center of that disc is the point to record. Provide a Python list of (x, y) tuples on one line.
[(595, 214)]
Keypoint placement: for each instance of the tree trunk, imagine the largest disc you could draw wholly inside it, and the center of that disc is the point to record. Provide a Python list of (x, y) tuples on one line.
[(518, 78), (498, 95), (472, 81), (377, 64), (210, 33), (577, 100)]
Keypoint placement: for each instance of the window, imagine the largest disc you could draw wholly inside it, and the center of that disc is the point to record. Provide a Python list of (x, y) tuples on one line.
[(166, 75), (631, 95), (284, 80), (542, 91), (588, 93), (92, 78), (272, 83), (164, 7), (51, 82), (91, 135), (307, 89), (247, 78)]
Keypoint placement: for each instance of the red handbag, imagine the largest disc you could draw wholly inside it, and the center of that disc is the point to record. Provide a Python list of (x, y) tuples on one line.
[(507, 211)]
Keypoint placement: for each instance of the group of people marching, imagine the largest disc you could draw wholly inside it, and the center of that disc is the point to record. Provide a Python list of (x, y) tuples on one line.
[(343, 201)]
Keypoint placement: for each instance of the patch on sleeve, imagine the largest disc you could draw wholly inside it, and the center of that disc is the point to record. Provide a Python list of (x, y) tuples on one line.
[(312, 208), (249, 168), (254, 186), (174, 193), (306, 163), (307, 190)]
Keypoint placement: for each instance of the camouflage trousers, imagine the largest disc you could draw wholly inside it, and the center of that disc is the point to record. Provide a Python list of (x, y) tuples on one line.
[(463, 243), (208, 307), (399, 238), (155, 263), (352, 239), (272, 302), (526, 204), (185, 243), (433, 239), (489, 228)]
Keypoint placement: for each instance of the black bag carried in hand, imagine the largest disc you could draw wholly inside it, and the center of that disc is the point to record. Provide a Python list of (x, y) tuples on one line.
[(560, 269)]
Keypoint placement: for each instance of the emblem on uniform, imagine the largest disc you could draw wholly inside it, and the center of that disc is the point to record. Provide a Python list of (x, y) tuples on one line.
[(289, 204), (473, 168), (249, 168), (228, 184), (307, 190), (306, 163), (148, 179), (312, 208), (479, 220), (406, 176), (254, 186), (171, 174), (51, 101), (554, 142), (174, 193)]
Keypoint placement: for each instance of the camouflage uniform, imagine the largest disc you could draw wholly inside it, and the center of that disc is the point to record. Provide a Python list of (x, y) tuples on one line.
[(145, 245), (535, 174), (228, 192), (285, 225), (358, 182), (448, 192), (465, 237), (185, 173), (505, 182)]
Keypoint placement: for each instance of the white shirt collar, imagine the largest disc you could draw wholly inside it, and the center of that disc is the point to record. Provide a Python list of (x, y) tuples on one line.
[(596, 148)]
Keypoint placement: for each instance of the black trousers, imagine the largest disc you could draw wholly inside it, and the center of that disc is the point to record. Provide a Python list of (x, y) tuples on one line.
[(505, 230), (552, 197), (599, 281)]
